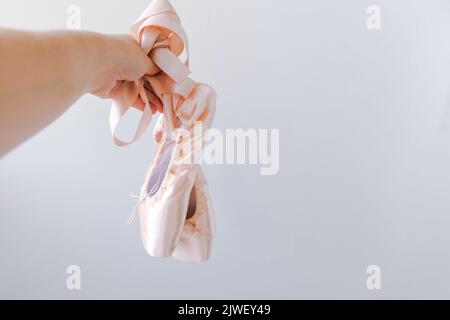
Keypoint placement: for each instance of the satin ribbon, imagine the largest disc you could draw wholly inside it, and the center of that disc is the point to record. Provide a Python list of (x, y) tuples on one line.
[(159, 32)]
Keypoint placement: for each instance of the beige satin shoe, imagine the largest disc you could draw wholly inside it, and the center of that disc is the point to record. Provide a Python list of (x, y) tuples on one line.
[(198, 233), (174, 207)]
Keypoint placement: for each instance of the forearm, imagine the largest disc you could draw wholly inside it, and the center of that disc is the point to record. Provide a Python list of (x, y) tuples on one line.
[(41, 75)]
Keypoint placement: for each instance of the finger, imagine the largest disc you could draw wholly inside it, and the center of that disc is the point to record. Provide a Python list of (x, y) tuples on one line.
[(151, 68), (137, 63), (154, 100), (139, 104)]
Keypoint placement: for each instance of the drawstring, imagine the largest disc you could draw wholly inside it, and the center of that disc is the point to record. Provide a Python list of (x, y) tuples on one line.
[(133, 213), (134, 196)]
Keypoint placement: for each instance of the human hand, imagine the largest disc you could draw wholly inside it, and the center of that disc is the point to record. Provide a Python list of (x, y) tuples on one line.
[(122, 62)]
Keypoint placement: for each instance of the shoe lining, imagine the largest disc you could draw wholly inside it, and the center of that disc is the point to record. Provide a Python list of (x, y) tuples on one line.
[(192, 208), (158, 174), (160, 170)]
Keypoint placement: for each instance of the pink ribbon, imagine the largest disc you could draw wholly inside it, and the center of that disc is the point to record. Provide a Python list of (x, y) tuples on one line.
[(159, 32)]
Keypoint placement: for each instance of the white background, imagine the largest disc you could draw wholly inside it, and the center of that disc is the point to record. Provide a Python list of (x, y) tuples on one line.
[(364, 169)]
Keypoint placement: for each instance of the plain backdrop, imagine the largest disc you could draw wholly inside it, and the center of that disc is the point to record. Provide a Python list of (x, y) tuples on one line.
[(364, 119)]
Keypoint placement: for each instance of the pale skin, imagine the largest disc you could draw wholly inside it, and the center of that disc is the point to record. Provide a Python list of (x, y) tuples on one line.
[(43, 73)]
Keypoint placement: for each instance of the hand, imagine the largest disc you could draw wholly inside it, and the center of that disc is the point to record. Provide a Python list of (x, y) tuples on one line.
[(122, 62), (55, 68)]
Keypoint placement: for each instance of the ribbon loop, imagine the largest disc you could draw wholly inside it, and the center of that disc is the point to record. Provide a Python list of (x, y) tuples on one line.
[(159, 32)]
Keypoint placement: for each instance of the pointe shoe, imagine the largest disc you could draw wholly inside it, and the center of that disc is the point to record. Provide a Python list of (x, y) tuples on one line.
[(185, 229), (198, 233), (164, 200)]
